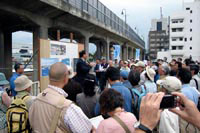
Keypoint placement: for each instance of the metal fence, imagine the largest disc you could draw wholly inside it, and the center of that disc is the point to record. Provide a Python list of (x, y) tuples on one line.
[(102, 14)]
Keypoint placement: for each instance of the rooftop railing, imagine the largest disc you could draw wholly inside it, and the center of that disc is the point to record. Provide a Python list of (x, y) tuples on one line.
[(104, 15)]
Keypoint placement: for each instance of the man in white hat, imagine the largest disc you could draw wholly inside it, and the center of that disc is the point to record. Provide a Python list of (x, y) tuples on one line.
[(23, 87), (149, 80), (139, 66), (169, 122)]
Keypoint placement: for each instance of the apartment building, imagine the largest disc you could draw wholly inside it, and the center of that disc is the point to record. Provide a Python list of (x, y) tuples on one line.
[(158, 37)]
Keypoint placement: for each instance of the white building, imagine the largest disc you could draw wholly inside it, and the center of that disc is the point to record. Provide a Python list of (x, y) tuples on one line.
[(185, 32)]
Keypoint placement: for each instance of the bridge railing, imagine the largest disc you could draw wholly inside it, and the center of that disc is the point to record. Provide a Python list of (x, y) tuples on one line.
[(104, 15)]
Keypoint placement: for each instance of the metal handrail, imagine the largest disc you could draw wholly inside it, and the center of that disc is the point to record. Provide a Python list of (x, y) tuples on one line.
[(104, 15)]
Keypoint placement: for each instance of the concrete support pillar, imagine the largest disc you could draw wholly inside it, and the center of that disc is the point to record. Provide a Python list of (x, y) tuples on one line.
[(131, 52), (98, 50), (108, 50), (104, 49), (86, 44), (58, 35), (2, 52), (134, 51), (71, 37), (121, 52), (38, 33), (6, 53), (125, 52)]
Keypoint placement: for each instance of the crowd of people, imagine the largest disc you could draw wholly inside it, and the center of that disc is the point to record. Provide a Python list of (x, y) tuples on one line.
[(127, 94)]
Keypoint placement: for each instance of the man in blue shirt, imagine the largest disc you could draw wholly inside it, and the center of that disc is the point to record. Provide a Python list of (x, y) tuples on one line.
[(113, 77), (190, 92), (19, 70)]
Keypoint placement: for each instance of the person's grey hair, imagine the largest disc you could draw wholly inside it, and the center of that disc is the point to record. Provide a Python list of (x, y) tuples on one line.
[(57, 72), (165, 68)]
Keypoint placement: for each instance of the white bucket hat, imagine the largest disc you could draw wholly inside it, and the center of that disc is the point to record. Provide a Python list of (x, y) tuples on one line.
[(150, 73), (22, 83), (170, 83), (139, 64)]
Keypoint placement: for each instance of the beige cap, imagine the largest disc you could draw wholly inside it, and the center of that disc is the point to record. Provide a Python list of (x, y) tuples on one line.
[(150, 73), (170, 83), (140, 64), (22, 83)]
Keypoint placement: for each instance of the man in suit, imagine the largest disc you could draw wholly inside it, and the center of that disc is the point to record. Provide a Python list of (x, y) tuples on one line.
[(82, 67)]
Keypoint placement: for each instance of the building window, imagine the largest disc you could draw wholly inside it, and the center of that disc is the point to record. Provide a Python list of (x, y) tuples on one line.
[(185, 39), (190, 48), (173, 47), (181, 39), (191, 30), (173, 39), (190, 20), (187, 8), (180, 47), (190, 11), (173, 30), (159, 26), (190, 38), (179, 29), (174, 21)]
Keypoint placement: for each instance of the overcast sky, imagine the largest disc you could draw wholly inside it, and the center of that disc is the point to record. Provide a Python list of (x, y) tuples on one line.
[(140, 12)]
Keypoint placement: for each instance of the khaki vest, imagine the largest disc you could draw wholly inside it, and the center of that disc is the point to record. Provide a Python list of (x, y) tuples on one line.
[(185, 127), (43, 109)]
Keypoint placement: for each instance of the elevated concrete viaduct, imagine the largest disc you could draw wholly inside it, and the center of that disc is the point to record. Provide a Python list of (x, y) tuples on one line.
[(86, 21)]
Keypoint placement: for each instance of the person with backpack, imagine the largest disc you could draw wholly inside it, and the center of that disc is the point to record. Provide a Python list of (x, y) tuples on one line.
[(4, 103), (17, 113), (52, 112), (137, 91)]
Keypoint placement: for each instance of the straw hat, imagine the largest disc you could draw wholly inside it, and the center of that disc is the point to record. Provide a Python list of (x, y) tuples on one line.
[(3, 80), (22, 83), (150, 73)]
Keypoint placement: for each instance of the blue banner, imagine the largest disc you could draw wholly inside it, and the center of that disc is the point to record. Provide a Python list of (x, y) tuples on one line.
[(137, 54), (117, 51)]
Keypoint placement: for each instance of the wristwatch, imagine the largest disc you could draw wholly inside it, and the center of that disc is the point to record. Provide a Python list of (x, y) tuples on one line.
[(142, 127)]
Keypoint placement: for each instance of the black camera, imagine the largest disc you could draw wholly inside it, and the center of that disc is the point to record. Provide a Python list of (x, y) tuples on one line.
[(168, 101)]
